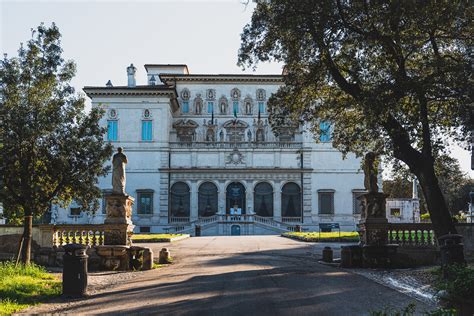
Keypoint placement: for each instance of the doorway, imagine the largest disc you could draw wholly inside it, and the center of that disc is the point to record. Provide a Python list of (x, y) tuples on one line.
[(235, 230), (235, 198)]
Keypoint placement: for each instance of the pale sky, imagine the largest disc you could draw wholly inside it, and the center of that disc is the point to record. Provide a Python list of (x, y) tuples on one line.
[(104, 37)]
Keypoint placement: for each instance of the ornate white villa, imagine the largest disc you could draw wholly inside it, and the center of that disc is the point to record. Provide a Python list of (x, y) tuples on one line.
[(201, 153)]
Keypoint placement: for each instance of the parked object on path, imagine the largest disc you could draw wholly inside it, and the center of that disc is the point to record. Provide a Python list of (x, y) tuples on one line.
[(165, 256), (75, 270), (327, 254), (351, 256)]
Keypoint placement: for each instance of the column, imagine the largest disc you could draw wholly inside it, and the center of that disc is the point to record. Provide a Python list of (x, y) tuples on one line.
[(194, 202), (221, 198), (276, 201)]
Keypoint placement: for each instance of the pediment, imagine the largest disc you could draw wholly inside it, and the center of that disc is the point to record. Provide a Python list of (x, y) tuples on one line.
[(235, 124), (185, 124)]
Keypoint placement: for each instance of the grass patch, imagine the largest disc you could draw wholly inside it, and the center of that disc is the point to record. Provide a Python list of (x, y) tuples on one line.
[(25, 286), (155, 237), (324, 237)]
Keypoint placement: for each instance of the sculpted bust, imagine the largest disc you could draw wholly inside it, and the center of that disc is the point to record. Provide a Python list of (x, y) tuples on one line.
[(119, 161)]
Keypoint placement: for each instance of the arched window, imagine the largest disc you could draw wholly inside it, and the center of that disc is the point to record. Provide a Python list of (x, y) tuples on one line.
[(263, 199), (291, 200), (235, 198), (180, 200), (207, 199)]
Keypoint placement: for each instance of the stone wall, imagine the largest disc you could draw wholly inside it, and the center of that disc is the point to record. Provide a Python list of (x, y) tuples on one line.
[(467, 231)]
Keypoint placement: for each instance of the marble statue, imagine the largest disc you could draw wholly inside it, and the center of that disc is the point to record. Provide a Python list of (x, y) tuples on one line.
[(119, 161), (371, 165)]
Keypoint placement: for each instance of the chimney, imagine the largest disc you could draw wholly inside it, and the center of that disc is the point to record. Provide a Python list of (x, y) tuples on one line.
[(414, 194), (131, 70)]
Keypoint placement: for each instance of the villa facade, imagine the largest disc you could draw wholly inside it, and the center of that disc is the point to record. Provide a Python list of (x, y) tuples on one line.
[(201, 152)]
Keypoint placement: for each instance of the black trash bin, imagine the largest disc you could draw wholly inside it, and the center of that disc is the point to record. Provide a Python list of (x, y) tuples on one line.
[(197, 232), (74, 270)]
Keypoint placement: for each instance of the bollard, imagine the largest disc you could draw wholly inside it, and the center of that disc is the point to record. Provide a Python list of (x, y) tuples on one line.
[(75, 270), (327, 254), (165, 256)]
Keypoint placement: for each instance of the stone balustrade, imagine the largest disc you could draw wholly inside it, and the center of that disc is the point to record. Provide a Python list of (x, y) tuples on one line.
[(411, 234), (291, 219), (231, 145)]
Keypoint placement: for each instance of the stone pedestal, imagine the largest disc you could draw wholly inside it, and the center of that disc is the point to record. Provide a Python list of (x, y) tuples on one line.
[(114, 257), (373, 231), (119, 227)]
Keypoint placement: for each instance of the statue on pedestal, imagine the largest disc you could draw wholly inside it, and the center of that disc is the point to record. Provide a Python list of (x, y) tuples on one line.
[(119, 161), (371, 167)]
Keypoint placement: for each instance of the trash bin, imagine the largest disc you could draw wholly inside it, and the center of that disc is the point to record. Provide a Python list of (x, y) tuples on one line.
[(298, 228), (197, 232), (451, 249), (75, 270)]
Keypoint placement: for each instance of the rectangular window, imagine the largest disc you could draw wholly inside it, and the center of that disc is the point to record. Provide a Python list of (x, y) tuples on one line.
[(104, 201), (210, 107), (395, 212), (112, 131), (147, 128), (357, 204), (236, 107), (75, 211), (145, 203), (326, 202), (185, 107), (144, 229), (324, 131), (261, 107)]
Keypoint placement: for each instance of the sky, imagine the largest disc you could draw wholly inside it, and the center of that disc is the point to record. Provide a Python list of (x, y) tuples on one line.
[(104, 37)]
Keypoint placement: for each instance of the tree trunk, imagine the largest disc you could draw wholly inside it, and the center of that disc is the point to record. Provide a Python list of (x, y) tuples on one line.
[(27, 234), (439, 214)]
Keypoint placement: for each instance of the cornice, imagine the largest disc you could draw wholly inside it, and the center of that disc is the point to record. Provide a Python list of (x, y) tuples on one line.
[(172, 78)]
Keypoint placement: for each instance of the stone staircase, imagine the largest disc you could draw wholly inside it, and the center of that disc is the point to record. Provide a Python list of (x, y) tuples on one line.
[(205, 222)]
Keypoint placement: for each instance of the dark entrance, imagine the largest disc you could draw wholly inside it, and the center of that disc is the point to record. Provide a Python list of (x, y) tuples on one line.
[(235, 230), (235, 197)]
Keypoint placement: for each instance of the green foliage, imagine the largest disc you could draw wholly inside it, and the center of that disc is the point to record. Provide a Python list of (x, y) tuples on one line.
[(324, 237), (395, 77), (23, 286), (457, 280), (53, 151), (425, 216), (155, 237), (454, 184), (410, 310)]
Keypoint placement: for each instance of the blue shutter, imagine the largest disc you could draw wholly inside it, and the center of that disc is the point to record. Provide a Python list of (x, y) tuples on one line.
[(261, 107), (324, 131), (147, 129), (185, 106), (236, 106), (210, 106), (112, 130)]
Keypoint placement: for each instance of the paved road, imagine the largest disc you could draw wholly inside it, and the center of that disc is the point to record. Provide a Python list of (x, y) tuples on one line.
[(245, 275)]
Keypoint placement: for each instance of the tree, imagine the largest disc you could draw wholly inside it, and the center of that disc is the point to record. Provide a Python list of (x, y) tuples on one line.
[(53, 151), (395, 77), (454, 184)]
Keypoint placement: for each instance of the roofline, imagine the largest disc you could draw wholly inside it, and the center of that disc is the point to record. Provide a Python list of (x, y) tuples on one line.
[(221, 77), (125, 90), (166, 66)]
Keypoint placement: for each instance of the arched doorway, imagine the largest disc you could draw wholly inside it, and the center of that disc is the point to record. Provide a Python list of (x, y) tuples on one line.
[(235, 197), (235, 230), (207, 199), (263, 199), (291, 200), (180, 200)]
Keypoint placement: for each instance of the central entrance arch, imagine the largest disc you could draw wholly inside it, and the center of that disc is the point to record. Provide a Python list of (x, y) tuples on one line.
[(235, 197)]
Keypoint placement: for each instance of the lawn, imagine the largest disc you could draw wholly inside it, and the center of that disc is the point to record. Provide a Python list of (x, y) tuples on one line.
[(324, 237), (25, 286), (156, 237)]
